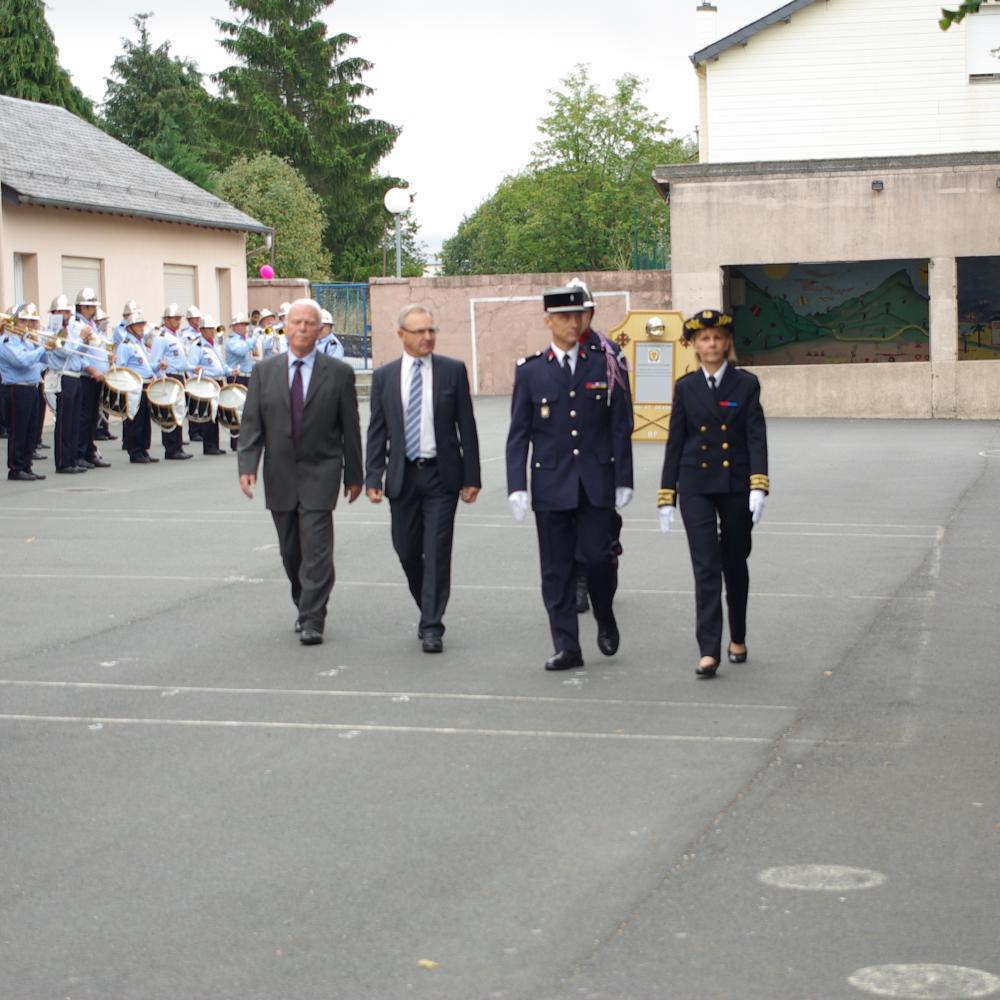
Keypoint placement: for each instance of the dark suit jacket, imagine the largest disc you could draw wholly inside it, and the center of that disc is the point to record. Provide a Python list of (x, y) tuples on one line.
[(575, 436), (454, 427), (716, 444), (329, 440)]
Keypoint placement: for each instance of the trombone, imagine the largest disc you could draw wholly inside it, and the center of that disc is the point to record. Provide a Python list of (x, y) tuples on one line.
[(43, 338)]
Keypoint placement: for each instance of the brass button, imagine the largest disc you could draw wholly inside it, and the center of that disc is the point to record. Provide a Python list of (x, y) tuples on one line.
[(573, 432), (704, 447), (703, 428), (572, 393), (576, 451), (724, 427), (572, 413), (538, 465), (725, 446), (544, 400), (725, 464), (598, 396), (704, 465)]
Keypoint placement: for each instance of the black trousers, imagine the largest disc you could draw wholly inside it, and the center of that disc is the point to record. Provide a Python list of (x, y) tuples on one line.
[(38, 420), (305, 540), (90, 396), (136, 431), (20, 403), (208, 433), (564, 536), (173, 440), (423, 525), (67, 433), (718, 527)]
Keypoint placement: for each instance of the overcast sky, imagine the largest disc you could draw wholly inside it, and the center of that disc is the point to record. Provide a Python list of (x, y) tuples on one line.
[(466, 81)]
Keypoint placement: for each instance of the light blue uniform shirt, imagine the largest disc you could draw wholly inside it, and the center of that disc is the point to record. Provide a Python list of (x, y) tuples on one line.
[(119, 333), (239, 351), (205, 356), (94, 355), (167, 347), (131, 354), (20, 361), (330, 346), (67, 360)]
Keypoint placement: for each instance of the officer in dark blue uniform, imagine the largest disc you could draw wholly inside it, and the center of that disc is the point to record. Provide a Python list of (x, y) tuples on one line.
[(716, 459), (577, 422)]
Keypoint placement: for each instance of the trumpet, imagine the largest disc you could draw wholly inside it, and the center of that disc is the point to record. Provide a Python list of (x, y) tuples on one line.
[(44, 338)]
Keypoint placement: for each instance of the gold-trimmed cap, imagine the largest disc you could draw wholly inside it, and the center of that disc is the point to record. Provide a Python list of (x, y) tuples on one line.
[(708, 319)]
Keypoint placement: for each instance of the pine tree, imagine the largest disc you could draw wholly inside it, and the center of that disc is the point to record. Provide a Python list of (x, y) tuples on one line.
[(156, 104), (29, 67), (295, 92)]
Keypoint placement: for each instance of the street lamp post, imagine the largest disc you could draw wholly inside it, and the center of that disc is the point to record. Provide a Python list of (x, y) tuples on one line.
[(397, 201)]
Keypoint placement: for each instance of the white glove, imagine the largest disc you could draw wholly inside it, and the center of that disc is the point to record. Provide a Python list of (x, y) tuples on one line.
[(623, 496), (518, 501), (666, 519), (757, 504)]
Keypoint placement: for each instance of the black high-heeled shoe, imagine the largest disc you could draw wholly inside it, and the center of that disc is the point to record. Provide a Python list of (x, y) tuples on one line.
[(707, 672), (737, 657)]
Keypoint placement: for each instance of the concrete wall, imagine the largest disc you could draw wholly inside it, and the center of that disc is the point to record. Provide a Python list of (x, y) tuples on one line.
[(270, 294), (133, 252), (852, 78), (489, 321)]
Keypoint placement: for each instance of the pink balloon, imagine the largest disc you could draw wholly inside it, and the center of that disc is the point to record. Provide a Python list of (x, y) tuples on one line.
[(266, 272)]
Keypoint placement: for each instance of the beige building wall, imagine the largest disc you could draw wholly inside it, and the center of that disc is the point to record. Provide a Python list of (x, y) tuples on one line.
[(133, 253), (854, 78), (771, 213), (489, 321)]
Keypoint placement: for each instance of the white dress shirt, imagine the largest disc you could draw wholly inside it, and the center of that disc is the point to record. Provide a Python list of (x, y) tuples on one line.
[(718, 375), (572, 354), (428, 443), (308, 362)]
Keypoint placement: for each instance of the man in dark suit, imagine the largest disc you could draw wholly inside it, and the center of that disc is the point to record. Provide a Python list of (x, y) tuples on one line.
[(423, 426), (301, 411), (572, 404)]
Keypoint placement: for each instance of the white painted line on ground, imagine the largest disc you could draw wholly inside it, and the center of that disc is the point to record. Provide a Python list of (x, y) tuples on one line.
[(413, 695), (821, 878), (925, 982), (423, 730)]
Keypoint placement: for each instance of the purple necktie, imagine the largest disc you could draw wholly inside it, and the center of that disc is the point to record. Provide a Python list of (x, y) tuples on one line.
[(298, 402)]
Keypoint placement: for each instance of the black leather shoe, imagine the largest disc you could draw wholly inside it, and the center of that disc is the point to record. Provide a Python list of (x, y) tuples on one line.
[(736, 657), (37, 457), (18, 476), (179, 456), (84, 463), (582, 598), (213, 451), (706, 673), (140, 460), (432, 644), (565, 659), (41, 447), (608, 637), (298, 626), (99, 463), (104, 437), (310, 637), (70, 470), (150, 459)]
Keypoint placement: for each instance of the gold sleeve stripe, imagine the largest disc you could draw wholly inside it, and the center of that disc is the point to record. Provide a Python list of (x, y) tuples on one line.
[(760, 482), (666, 498)]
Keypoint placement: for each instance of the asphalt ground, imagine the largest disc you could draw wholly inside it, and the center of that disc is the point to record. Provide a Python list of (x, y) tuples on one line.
[(195, 806)]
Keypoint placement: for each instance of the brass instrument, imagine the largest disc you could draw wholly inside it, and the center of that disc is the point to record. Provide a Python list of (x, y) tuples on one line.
[(43, 338)]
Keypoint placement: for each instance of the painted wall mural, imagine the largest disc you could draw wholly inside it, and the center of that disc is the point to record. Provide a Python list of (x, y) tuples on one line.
[(978, 308), (838, 313)]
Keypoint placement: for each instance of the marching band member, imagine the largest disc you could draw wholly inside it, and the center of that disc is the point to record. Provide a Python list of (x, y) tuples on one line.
[(328, 342), (169, 358), (21, 364), (206, 362), (239, 357), (190, 332), (67, 362), (273, 339), (83, 329), (136, 432), (121, 329)]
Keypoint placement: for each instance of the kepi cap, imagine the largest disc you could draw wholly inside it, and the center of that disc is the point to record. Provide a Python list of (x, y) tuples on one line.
[(563, 300)]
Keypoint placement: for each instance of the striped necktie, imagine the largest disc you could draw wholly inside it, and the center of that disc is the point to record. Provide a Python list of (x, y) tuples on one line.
[(413, 412)]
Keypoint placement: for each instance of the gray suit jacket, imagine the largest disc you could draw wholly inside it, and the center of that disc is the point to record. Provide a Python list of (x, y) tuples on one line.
[(454, 427), (329, 440)]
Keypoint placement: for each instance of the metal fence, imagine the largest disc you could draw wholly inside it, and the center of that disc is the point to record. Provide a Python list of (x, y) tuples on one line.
[(347, 302)]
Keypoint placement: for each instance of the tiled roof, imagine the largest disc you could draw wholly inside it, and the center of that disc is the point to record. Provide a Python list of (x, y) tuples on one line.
[(740, 37), (90, 170)]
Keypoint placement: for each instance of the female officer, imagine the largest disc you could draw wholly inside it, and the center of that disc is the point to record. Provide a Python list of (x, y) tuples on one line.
[(716, 459)]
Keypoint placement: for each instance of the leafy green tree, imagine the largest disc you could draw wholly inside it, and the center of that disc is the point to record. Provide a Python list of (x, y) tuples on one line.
[(29, 67), (274, 192), (294, 91), (156, 104), (587, 190), (950, 17)]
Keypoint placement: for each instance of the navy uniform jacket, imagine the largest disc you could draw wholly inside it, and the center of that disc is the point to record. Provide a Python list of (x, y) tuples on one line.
[(576, 438), (717, 443)]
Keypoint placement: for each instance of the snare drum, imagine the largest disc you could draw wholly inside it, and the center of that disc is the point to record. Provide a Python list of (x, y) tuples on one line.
[(166, 402), (118, 385), (232, 396), (202, 396)]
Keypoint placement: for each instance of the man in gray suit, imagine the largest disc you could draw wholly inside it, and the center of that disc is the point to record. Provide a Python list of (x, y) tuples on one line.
[(302, 412), (422, 421)]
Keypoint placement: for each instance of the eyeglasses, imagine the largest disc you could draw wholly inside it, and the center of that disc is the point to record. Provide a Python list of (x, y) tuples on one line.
[(422, 331)]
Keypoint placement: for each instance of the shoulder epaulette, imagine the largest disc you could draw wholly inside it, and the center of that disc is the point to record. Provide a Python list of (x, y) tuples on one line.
[(529, 357)]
